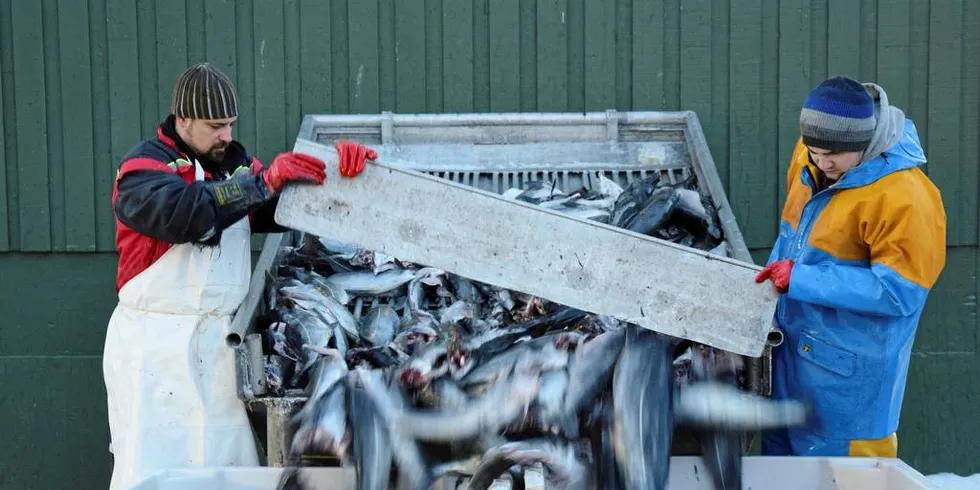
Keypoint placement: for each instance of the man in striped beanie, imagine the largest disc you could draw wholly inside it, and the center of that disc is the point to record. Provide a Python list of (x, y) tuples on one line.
[(186, 203), (862, 241)]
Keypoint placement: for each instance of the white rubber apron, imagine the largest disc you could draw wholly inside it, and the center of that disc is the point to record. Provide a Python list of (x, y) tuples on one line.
[(169, 375)]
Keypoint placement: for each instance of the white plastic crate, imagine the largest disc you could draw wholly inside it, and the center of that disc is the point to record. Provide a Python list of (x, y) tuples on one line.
[(686, 473)]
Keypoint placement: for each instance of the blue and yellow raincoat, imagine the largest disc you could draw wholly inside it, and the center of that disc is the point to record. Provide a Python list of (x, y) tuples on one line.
[(866, 252)]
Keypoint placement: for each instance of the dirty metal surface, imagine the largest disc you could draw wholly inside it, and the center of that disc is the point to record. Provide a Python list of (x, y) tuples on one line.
[(584, 264)]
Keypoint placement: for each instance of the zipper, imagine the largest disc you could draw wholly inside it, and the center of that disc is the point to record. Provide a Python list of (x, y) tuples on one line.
[(806, 220)]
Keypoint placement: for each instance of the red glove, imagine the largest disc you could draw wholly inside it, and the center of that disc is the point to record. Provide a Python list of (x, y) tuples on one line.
[(293, 167), (779, 272), (352, 156)]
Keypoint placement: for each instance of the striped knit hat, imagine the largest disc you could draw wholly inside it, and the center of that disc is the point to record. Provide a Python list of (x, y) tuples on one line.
[(204, 92), (838, 115)]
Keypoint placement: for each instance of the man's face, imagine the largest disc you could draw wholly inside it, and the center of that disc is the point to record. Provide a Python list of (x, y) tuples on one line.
[(208, 137), (834, 164)]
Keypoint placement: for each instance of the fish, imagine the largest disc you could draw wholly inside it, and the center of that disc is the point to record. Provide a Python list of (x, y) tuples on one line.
[(643, 415), (342, 317), (321, 423), (691, 214), (406, 451), (379, 325), (371, 444), (412, 373), (464, 290), (605, 468), (721, 453), (540, 190), (632, 198), (655, 212), (564, 469), (340, 339), (608, 189), (720, 405), (369, 283), (301, 328), (548, 404), (497, 408), (426, 276), (378, 357), (325, 431), (329, 289), (591, 369), (457, 311)]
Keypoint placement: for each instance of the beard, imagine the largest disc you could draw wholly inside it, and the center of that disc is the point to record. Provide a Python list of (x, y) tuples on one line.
[(217, 153)]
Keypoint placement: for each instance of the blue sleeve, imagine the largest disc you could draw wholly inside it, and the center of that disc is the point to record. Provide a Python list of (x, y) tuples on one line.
[(878, 290)]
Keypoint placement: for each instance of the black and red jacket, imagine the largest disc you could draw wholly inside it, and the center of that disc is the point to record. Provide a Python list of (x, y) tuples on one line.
[(158, 203)]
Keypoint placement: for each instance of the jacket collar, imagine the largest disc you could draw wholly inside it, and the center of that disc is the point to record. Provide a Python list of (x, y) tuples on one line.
[(905, 154), (235, 154)]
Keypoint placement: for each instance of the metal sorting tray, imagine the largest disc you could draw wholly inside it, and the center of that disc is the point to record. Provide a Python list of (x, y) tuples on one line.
[(495, 152)]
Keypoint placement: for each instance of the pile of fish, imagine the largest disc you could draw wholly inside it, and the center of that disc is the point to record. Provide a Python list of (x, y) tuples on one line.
[(412, 374), (649, 206)]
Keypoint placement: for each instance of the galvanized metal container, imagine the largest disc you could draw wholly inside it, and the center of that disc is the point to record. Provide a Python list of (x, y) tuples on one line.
[(495, 152)]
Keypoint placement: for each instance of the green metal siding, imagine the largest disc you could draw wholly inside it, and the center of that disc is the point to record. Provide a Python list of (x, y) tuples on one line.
[(81, 81)]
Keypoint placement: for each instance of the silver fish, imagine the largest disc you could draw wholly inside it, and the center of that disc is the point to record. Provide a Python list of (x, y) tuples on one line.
[(448, 394), (372, 444), (608, 188), (457, 311), (340, 339), (643, 422), (424, 366), (426, 276), (540, 190), (721, 452), (378, 325), (321, 421), (592, 366), (303, 328), (325, 429), (327, 372), (564, 469), (499, 407), (343, 317), (496, 367), (329, 289), (549, 401), (366, 282), (309, 299), (465, 290), (414, 338), (591, 213), (719, 405), (406, 452)]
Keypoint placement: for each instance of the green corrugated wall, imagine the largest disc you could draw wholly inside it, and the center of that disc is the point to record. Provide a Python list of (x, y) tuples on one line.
[(83, 80)]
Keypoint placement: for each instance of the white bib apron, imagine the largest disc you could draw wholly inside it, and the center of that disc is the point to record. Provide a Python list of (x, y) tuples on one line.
[(169, 375)]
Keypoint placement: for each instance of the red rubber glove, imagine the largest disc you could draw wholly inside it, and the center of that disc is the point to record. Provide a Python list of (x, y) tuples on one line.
[(779, 272), (293, 167), (352, 156)]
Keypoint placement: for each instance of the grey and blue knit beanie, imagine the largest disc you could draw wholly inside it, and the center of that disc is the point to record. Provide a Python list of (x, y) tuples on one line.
[(838, 115), (204, 92)]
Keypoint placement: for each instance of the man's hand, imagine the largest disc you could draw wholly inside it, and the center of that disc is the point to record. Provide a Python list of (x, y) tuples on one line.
[(293, 167), (352, 156), (779, 272)]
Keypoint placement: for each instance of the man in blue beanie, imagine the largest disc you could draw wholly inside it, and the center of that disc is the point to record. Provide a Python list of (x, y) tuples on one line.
[(862, 240)]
